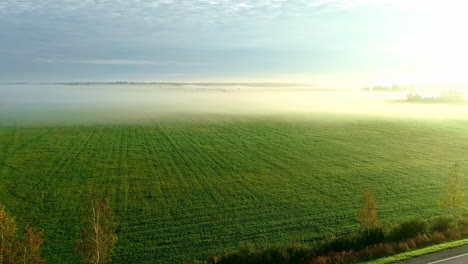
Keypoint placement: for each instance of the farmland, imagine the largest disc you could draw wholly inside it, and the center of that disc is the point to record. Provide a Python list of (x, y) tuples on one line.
[(184, 186)]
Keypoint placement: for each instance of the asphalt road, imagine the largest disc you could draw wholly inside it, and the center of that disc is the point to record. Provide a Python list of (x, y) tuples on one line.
[(450, 256)]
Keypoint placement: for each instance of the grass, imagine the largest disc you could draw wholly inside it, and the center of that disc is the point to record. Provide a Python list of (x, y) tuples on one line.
[(184, 187), (418, 252)]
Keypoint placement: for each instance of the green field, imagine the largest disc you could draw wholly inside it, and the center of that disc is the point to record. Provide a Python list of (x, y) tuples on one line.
[(183, 187)]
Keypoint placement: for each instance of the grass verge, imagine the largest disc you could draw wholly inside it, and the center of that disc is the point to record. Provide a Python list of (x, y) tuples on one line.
[(418, 252)]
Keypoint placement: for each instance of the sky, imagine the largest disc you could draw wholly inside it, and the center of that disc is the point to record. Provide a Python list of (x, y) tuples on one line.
[(324, 42)]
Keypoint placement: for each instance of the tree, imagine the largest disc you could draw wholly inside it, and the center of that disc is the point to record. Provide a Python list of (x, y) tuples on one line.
[(453, 197), (8, 243), (13, 250), (31, 247), (16, 251), (367, 214), (97, 237)]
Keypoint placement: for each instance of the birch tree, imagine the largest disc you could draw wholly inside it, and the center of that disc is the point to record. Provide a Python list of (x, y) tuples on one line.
[(97, 236), (8, 243), (453, 197), (367, 214), (31, 247)]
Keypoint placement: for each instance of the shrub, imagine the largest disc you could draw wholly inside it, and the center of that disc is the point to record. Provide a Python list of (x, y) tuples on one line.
[(441, 223), (216, 258), (300, 253), (343, 257), (412, 243), (358, 246), (437, 237), (462, 225), (356, 241), (375, 236), (403, 247), (276, 255), (321, 260), (421, 239), (409, 229), (336, 244), (453, 234), (381, 250)]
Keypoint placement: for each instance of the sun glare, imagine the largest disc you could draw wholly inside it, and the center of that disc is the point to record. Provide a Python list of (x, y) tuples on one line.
[(432, 47)]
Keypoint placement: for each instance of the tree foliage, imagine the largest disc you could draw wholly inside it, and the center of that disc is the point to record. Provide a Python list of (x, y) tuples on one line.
[(453, 197), (8, 243), (367, 214), (97, 236), (14, 250), (31, 247)]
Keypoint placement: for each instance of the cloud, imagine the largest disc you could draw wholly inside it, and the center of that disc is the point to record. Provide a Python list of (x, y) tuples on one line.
[(170, 11), (244, 5), (169, 15), (130, 62), (320, 3), (346, 4), (163, 11), (116, 62), (125, 37)]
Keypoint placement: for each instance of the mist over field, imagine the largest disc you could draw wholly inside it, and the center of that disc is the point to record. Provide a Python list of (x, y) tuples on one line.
[(63, 103)]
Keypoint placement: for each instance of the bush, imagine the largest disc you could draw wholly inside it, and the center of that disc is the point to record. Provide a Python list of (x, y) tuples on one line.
[(300, 253), (358, 246), (276, 255), (441, 223), (421, 240), (356, 241), (412, 243), (462, 225), (216, 258), (376, 251), (403, 247), (437, 238), (409, 229), (453, 234), (321, 260), (343, 257), (337, 244), (375, 236)]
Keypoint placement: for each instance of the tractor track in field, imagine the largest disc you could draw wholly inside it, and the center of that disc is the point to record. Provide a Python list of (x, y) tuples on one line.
[(39, 183), (17, 148), (9, 167)]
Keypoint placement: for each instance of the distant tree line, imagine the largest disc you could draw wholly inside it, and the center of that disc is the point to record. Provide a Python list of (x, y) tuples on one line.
[(392, 88), (450, 96)]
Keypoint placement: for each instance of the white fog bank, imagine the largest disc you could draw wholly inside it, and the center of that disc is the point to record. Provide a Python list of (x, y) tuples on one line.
[(138, 102)]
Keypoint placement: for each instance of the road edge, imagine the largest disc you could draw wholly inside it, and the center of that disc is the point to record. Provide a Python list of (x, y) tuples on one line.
[(418, 252)]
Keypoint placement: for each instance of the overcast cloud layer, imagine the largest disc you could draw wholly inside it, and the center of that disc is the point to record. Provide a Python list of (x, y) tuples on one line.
[(209, 40)]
